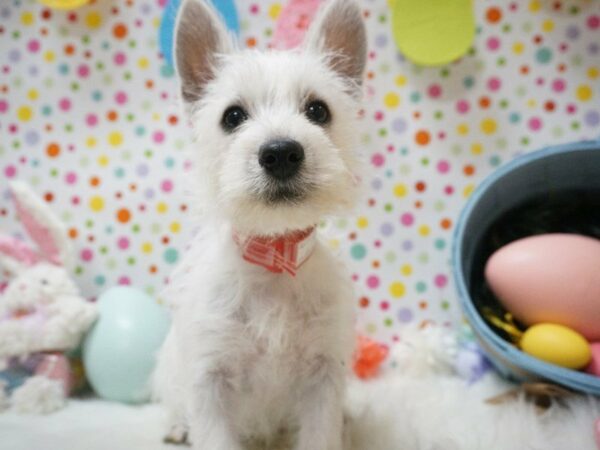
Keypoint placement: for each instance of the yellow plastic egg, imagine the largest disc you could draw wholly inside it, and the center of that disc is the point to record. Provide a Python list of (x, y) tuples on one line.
[(556, 344)]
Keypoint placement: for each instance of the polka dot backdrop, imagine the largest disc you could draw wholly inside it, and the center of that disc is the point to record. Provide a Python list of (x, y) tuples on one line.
[(89, 116)]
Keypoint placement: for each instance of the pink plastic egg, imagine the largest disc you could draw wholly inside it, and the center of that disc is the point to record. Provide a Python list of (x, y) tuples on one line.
[(551, 278), (594, 366)]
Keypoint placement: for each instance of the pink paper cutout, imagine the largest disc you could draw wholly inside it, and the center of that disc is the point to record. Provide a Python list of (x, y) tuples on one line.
[(293, 23)]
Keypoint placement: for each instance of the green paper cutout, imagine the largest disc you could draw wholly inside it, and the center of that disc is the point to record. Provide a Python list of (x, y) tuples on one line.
[(433, 32)]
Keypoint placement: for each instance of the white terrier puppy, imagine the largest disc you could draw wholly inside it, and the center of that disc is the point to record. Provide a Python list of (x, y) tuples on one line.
[(262, 325)]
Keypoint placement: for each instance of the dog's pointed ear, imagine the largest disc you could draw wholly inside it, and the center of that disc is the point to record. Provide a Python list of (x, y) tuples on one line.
[(200, 36), (339, 32)]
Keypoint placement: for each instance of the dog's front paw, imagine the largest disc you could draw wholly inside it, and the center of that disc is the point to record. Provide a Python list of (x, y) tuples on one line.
[(178, 435)]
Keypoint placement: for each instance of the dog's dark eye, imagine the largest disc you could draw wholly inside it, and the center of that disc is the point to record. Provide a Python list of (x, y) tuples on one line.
[(318, 112), (233, 117)]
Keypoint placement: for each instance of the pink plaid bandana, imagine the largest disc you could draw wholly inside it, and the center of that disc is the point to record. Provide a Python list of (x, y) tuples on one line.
[(278, 254)]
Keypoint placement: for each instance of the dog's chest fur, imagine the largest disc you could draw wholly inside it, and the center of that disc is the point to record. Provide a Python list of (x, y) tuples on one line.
[(276, 359), (264, 336)]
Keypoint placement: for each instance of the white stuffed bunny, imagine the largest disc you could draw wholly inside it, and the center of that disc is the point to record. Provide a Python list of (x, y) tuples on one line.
[(41, 309)]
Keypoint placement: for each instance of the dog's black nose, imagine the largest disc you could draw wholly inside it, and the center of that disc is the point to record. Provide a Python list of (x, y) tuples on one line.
[(281, 158)]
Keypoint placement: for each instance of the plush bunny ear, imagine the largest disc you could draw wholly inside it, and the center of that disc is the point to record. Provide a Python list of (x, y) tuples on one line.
[(44, 228), (16, 255), (339, 32)]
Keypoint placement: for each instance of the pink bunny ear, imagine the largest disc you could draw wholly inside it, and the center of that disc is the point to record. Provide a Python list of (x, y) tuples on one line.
[(16, 254), (293, 23), (43, 226)]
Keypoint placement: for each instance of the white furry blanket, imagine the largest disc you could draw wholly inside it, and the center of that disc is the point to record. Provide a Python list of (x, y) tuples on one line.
[(443, 413), (393, 413)]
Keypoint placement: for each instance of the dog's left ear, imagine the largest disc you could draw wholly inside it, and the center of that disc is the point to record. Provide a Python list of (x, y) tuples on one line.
[(339, 32)]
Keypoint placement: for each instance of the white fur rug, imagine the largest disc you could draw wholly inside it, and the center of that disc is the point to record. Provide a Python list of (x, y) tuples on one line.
[(433, 412), (443, 413)]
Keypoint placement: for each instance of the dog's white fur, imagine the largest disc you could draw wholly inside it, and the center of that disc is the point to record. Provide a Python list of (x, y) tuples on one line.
[(252, 354)]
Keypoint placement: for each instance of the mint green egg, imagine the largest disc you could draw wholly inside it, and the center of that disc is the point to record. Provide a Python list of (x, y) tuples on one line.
[(119, 353)]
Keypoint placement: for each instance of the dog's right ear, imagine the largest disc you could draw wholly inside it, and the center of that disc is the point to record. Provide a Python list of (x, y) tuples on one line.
[(200, 37), (339, 32)]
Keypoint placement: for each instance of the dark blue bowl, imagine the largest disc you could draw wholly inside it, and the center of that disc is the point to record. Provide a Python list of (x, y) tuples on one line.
[(552, 170)]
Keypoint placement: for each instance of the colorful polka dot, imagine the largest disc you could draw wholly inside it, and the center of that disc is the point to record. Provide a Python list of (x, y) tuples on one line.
[(93, 19), (400, 190), (53, 150), (493, 14), (120, 31), (89, 115), (24, 113), (115, 138), (171, 255), (391, 100), (489, 126), (123, 215), (584, 92), (422, 137), (397, 289), (96, 203)]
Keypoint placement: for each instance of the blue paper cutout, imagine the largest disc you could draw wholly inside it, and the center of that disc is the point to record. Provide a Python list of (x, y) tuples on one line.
[(226, 9)]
